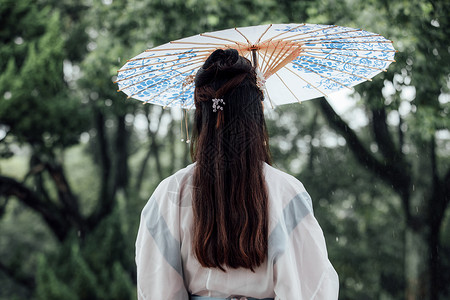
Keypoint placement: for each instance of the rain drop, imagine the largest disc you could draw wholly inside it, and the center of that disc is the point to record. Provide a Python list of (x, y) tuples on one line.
[(435, 23), (18, 40)]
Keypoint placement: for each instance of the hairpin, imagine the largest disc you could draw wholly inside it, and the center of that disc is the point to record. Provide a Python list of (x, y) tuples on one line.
[(260, 80), (216, 104)]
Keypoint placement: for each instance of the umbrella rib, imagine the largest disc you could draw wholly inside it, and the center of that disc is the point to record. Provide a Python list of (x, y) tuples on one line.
[(126, 78), (219, 38), (341, 38), (195, 43), (343, 62), (263, 61), (159, 82), (193, 102), (306, 81), (271, 54), (325, 48), (240, 50), (288, 88), (165, 90), (327, 34), (265, 54), (267, 92), (171, 54), (340, 54), (268, 96), (243, 35), (161, 62), (197, 59), (355, 42), (342, 71), (279, 56), (284, 32), (155, 76), (258, 58), (170, 49), (323, 76), (171, 101), (308, 32), (265, 31)]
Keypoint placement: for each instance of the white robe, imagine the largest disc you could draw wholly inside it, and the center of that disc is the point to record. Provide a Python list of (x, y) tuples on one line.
[(297, 266)]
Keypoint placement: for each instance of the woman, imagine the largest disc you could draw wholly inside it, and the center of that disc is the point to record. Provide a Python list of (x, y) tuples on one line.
[(230, 225)]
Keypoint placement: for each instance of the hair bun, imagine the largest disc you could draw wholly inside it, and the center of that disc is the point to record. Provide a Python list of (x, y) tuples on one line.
[(222, 59), (222, 64)]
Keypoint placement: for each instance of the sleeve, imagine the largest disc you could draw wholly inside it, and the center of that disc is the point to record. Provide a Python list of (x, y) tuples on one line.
[(301, 267), (158, 257)]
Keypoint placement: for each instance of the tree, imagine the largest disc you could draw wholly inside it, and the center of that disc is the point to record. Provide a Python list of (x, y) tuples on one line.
[(409, 149)]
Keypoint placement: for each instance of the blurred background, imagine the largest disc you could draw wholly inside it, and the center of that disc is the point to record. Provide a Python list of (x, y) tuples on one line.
[(78, 161)]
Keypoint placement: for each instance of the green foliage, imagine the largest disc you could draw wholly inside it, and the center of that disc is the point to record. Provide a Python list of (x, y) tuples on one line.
[(36, 109), (360, 222), (96, 267), (49, 286)]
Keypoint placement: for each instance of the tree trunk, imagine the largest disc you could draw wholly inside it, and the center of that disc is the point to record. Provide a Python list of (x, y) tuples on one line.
[(417, 264), (424, 197), (121, 155), (107, 195)]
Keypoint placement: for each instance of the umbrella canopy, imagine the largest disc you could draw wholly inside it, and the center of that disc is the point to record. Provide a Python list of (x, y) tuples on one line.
[(298, 61)]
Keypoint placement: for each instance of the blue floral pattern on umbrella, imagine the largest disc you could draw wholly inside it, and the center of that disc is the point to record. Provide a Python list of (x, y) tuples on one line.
[(299, 62)]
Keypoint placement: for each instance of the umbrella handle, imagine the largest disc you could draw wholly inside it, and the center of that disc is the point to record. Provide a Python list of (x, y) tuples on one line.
[(255, 60)]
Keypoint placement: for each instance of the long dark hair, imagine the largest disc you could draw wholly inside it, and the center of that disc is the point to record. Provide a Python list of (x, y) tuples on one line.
[(230, 201)]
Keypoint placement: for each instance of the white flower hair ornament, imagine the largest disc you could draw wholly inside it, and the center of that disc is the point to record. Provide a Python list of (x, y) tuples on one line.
[(217, 104), (260, 80)]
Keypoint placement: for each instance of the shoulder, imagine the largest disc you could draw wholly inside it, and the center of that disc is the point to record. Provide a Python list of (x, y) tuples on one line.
[(286, 192), (176, 180), (174, 189), (275, 176)]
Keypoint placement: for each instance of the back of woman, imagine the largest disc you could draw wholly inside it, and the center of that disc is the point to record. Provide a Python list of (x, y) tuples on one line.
[(229, 224)]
